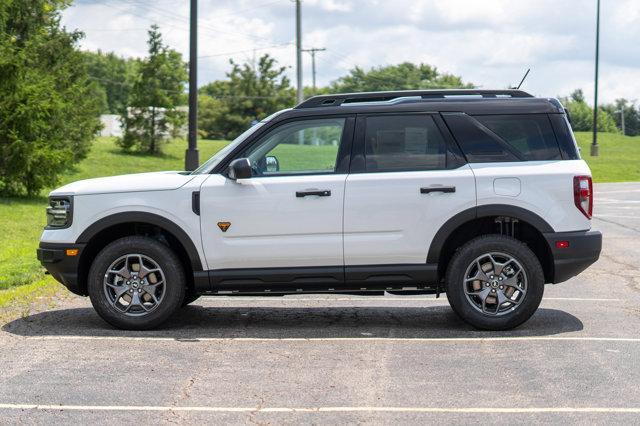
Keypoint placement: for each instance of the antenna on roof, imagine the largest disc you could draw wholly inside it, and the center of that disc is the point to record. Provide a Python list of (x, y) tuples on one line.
[(523, 78)]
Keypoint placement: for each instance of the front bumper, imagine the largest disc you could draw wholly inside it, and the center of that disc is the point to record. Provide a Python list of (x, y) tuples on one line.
[(63, 268), (583, 249)]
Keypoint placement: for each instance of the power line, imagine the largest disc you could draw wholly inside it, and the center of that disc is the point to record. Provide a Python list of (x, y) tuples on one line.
[(250, 8), (167, 14), (274, 46)]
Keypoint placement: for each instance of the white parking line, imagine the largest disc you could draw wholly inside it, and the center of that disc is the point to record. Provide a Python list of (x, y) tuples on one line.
[(489, 410), (343, 339)]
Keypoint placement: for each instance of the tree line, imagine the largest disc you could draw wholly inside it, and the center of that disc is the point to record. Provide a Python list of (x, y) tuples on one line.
[(52, 94)]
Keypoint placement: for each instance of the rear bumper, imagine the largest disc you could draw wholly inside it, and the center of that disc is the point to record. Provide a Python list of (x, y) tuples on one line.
[(583, 250), (62, 267)]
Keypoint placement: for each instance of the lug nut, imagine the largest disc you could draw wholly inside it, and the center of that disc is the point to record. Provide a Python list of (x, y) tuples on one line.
[(493, 290), (501, 287), (500, 278)]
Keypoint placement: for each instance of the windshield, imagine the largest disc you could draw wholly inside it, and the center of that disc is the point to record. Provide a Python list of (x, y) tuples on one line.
[(207, 166)]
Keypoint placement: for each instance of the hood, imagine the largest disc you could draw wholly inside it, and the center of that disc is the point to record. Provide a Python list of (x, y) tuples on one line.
[(156, 181)]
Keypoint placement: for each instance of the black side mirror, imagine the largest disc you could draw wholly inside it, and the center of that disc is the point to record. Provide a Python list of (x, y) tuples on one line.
[(240, 168)]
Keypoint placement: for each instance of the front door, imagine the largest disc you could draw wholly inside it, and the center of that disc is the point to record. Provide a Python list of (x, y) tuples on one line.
[(289, 213)]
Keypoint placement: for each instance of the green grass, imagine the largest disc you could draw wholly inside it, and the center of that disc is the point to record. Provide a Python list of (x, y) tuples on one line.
[(22, 219), (18, 301), (619, 159)]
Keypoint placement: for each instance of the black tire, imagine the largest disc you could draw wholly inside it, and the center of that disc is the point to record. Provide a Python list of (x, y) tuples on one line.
[(190, 297), (466, 256), (174, 288)]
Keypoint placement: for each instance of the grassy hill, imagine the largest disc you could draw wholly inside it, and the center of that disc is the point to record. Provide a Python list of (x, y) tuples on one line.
[(22, 219), (619, 159)]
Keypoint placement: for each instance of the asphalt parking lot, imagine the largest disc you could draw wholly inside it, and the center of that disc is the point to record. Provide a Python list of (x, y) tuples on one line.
[(339, 359)]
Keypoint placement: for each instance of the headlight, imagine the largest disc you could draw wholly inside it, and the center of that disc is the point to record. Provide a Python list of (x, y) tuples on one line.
[(59, 212)]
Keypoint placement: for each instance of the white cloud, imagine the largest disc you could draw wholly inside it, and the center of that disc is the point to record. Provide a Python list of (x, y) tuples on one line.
[(490, 43)]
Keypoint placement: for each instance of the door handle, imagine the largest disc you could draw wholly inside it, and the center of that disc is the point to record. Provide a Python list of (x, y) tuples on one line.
[(319, 193), (430, 189)]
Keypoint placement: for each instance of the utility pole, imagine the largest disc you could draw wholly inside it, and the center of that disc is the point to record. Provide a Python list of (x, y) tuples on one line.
[(594, 145), (313, 51), (299, 93), (191, 159), (621, 111)]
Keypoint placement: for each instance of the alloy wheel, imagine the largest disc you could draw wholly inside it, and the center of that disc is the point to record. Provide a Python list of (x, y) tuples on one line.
[(134, 284), (495, 284)]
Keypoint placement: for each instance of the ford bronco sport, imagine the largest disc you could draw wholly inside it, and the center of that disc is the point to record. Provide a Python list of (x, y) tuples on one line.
[(479, 194)]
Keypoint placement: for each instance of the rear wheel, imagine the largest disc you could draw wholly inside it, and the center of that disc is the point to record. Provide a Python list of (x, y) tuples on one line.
[(136, 283), (494, 282)]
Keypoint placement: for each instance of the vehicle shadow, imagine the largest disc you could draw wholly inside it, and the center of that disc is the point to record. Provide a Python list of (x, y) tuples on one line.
[(195, 322)]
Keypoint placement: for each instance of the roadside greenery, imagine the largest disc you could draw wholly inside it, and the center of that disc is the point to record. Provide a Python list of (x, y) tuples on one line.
[(228, 107), (404, 76), (114, 76), (582, 114), (48, 106), (153, 116)]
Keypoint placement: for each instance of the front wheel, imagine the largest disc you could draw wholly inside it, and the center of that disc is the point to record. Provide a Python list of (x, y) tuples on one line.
[(136, 283), (494, 282)]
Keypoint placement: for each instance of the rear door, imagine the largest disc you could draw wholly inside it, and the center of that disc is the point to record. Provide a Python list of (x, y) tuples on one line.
[(407, 179)]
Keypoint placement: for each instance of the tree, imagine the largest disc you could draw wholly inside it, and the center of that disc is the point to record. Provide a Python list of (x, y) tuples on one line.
[(49, 109), (115, 75), (582, 114), (404, 76), (211, 112), (251, 93), (153, 115)]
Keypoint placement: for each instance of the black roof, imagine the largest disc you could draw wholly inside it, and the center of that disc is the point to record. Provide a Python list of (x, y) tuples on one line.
[(470, 101)]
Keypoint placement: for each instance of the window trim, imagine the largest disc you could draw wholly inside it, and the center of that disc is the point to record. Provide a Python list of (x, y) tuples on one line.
[(453, 155), (343, 157)]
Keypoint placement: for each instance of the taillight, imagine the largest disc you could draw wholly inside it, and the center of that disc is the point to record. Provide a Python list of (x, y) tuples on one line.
[(583, 194)]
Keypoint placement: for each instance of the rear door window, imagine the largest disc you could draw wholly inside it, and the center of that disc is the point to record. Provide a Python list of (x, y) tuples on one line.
[(403, 142)]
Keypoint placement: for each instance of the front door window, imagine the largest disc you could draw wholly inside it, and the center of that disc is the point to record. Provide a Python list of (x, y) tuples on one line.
[(301, 147)]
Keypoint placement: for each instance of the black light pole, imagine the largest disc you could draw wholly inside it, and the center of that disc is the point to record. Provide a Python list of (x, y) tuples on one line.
[(594, 145), (191, 159)]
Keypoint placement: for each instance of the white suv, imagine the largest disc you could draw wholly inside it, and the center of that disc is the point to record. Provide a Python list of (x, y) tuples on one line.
[(479, 194)]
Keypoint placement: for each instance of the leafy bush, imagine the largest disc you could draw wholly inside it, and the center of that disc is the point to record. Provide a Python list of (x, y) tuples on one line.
[(48, 107), (582, 114)]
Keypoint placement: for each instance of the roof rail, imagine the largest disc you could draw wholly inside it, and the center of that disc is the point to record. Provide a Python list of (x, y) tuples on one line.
[(350, 98)]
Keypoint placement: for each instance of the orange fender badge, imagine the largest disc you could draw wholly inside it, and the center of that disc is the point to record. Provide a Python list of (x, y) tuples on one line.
[(224, 226)]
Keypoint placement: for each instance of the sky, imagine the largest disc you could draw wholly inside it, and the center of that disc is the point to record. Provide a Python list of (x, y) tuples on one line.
[(490, 43)]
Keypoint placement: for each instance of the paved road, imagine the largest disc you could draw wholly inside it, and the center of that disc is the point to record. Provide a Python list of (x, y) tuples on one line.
[(330, 359)]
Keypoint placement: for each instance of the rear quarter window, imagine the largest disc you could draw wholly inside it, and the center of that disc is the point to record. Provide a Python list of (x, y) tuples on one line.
[(504, 137), (530, 135)]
